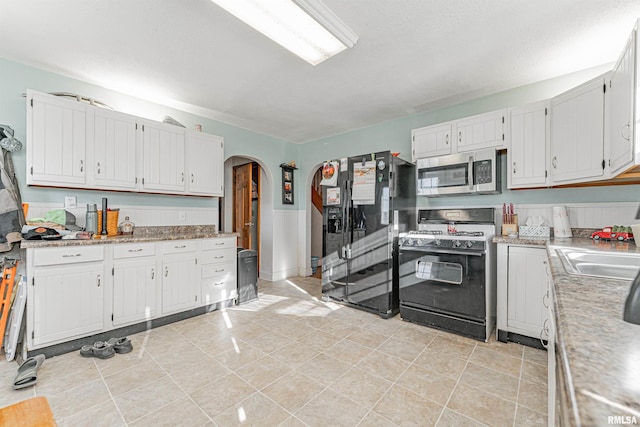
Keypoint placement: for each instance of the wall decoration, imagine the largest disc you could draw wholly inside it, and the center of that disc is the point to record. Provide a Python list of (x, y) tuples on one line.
[(287, 183), (330, 173)]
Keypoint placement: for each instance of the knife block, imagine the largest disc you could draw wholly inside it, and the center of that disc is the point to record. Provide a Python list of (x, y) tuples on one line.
[(512, 227)]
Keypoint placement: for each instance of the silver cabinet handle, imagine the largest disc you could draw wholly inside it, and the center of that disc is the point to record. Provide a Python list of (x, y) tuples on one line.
[(71, 255), (218, 284), (182, 177), (446, 139), (460, 136), (545, 331), (98, 168), (219, 271), (153, 274), (192, 178), (218, 257), (98, 279), (180, 247), (219, 244), (545, 299), (554, 162), (166, 271), (81, 165), (628, 127), (514, 168), (135, 250)]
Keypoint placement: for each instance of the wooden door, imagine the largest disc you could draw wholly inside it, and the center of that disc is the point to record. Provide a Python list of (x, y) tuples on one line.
[(242, 204)]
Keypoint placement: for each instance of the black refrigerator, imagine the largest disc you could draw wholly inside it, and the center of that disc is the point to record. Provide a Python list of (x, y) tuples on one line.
[(365, 207)]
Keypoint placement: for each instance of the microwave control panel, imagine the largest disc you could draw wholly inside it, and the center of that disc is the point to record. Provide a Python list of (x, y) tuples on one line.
[(482, 172)]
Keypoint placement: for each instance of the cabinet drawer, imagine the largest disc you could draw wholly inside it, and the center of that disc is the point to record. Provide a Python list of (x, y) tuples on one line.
[(221, 255), (179, 246), (219, 269), (67, 255), (134, 250), (218, 289), (219, 243)]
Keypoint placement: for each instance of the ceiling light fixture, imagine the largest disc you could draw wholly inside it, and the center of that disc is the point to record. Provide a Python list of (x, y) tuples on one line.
[(305, 27)]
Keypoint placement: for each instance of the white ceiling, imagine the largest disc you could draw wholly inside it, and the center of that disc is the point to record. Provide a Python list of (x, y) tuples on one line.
[(412, 55)]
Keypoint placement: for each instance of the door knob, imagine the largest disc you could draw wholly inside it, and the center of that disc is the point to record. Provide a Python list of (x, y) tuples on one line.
[(248, 224)]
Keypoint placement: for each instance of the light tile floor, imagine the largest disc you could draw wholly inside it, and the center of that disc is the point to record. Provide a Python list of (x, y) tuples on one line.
[(290, 359)]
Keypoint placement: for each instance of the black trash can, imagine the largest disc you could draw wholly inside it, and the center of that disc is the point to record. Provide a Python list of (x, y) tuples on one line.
[(247, 275)]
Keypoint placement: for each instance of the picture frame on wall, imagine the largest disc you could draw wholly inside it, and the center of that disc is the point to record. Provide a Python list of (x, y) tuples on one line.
[(287, 184)]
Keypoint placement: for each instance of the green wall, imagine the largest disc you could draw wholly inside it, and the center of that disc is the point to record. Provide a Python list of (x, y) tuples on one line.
[(16, 78), (395, 135)]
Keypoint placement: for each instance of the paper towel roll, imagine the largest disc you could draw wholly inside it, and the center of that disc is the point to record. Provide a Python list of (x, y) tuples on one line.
[(561, 225)]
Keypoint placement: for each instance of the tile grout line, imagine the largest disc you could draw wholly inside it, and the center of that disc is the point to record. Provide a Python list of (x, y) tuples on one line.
[(445, 406), (515, 412)]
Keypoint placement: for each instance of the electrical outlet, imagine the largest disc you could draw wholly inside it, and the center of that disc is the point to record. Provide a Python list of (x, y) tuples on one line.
[(69, 202), (182, 216)]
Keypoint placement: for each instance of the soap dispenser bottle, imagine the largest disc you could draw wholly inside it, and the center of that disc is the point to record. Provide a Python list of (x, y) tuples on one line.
[(632, 306)]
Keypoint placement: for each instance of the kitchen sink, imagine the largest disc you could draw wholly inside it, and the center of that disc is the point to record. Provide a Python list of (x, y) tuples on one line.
[(601, 264)]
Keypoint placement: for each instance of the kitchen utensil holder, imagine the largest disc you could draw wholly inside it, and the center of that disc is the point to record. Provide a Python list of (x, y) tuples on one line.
[(112, 222)]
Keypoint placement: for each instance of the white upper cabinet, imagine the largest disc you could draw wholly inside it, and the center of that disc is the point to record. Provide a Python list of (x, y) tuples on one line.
[(56, 137), (74, 144), (481, 131), (163, 153), (205, 164), (431, 141), (114, 148), (622, 97), (577, 134), (527, 156)]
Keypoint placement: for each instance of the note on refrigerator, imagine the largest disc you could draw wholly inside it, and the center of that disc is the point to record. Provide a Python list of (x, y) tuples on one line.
[(364, 183)]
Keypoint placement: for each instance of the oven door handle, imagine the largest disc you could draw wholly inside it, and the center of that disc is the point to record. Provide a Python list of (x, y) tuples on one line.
[(443, 251), (470, 172)]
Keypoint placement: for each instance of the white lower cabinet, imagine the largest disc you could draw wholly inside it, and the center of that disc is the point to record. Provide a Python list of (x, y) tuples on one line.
[(218, 270), (79, 291), (527, 291), (66, 296), (179, 282), (522, 297), (134, 283)]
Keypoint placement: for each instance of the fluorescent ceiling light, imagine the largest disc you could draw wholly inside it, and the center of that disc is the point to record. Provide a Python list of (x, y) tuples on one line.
[(305, 27)]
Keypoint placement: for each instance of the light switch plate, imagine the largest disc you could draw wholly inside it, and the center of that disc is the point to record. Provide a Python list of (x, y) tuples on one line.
[(69, 202)]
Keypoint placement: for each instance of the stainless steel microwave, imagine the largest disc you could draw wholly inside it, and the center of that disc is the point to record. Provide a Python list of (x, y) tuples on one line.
[(474, 172)]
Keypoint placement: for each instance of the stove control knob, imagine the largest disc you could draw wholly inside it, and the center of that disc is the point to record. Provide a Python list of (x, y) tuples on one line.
[(469, 243), (457, 243), (419, 242), (402, 241), (438, 242)]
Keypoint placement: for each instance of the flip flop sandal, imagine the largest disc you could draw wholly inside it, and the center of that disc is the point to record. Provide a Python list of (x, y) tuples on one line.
[(99, 349), (121, 345), (28, 372)]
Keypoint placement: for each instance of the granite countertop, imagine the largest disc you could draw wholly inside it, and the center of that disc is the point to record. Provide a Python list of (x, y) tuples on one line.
[(141, 234), (600, 351)]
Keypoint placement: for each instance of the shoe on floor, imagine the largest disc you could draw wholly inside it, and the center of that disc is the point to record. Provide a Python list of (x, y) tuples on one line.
[(121, 345), (28, 372), (99, 349)]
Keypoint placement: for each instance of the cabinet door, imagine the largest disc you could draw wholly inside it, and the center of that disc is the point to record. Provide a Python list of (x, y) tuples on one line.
[(527, 154), (68, 302), (481, 131), (527, 287), (206, 164), (163, 147), (431, 141), (56, 137), (180, 283), (577, 134), (114, 150), (621, 99), (134, 290)]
